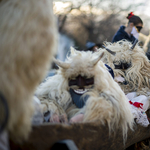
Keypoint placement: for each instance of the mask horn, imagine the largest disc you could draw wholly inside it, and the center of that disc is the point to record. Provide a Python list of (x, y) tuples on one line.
[(95, 61), (111, 52), (72, 50), (135, 42), (61, 64)]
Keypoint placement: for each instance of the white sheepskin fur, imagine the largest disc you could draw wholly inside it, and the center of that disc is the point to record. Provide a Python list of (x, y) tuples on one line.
[(107, 102), (138, 75), (27, 43)]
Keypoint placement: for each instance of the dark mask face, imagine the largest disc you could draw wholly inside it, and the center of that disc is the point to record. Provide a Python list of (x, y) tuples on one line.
[(81, 82), (122, 65), (78, 86)]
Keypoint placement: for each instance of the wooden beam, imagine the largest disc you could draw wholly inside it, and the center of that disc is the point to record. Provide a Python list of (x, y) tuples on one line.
[(87, 136)]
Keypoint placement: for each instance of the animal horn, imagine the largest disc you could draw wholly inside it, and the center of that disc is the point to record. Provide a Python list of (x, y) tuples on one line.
[(111, 52), (95, 61), (72, 50), (135, 42), (61, 64)]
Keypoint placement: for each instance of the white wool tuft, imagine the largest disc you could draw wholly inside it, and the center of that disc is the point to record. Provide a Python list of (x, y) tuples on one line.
[(27, 44)]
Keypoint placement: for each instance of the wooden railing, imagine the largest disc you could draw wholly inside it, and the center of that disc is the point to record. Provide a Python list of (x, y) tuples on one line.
[(87, 136)]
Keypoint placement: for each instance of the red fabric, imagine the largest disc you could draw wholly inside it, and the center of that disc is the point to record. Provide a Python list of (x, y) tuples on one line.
[(131, 14), (136, 104)]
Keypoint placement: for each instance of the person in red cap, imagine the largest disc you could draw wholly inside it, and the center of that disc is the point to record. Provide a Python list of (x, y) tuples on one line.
[(131, 31)]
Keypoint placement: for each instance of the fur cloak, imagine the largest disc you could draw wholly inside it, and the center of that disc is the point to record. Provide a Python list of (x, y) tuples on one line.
[(106, 103), (138, 74), (27, 43)]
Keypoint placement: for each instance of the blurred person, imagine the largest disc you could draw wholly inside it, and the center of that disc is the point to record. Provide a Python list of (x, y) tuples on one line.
[(91, 46), (131, 31)]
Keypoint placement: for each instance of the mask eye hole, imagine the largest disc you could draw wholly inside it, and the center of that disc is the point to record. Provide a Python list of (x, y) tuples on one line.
[(73, 82), (117, 64), (122, 65), (127, 65), (81, 81), (89, 81)]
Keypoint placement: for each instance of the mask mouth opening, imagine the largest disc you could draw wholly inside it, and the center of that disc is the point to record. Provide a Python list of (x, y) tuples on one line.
[(80, 91), (81, 84), (78, 99)]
